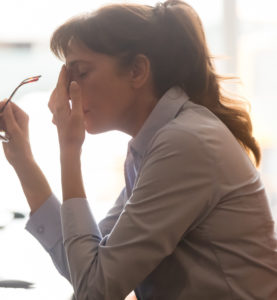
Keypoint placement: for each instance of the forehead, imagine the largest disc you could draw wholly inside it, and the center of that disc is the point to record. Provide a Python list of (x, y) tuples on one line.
[(76, 52)]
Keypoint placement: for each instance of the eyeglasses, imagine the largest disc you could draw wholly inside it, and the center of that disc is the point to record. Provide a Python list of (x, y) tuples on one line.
[(27, 80)]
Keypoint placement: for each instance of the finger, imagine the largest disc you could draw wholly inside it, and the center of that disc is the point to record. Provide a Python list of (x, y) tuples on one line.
[(61, 108), (2, 123), (51, 101), (22, 119), (59, 101), (76, 98), (54, 121), (62, 84), (9, 119), (2, 103), (18, 111), (54, 104)]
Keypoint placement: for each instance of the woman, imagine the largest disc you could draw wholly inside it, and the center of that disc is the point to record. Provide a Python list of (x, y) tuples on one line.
[(193, 221)]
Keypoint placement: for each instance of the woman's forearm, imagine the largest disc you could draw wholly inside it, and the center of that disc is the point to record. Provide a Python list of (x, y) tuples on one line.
[(72, 182), (34, 184)]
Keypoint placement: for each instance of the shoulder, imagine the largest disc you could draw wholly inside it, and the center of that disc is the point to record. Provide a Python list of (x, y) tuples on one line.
[(195, 131), (203, 141), (181, 147), (198, 139)]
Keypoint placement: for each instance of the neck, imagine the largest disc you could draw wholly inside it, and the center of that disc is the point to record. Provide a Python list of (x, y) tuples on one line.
[(143, 106)]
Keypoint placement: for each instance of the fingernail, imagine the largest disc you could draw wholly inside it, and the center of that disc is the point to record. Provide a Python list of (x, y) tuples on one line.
[(74, 85)]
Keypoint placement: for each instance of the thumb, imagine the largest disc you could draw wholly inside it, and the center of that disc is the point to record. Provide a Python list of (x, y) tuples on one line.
[(76, 97)]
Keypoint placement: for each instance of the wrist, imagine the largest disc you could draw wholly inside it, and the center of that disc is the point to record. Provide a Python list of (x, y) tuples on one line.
[(70, 153), (34, 184), (24, 164), (71, 173)]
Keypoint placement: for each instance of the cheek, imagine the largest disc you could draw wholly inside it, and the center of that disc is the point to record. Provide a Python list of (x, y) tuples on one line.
[(93, 93), (107, 100), (102, 98), (88, 96)]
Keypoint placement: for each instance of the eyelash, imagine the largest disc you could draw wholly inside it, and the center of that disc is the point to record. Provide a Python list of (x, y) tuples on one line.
[(82, 75)]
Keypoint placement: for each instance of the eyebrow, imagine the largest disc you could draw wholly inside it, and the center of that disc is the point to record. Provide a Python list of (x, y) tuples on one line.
[(75, 62)]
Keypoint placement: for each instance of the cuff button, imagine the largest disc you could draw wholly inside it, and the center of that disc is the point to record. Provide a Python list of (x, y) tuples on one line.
[(40, 229)]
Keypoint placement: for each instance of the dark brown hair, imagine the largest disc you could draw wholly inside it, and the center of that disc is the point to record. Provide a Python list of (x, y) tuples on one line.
[(171, 35)]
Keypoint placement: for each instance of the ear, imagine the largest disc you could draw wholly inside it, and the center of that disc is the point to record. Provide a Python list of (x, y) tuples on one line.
[(140, 71)]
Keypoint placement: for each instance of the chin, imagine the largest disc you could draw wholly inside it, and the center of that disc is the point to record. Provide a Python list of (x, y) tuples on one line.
[(94, 129)]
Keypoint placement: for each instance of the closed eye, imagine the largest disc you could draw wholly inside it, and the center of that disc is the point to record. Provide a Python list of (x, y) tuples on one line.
[(82, 75), (78, 75), (79, 72)]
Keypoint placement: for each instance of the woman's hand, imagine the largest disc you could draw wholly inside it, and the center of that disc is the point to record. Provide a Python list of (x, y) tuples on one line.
[(69, 120), (15, 122), (71, 132)]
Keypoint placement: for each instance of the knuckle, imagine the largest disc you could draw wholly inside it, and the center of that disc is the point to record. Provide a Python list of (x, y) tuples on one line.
[(54, 120), (52, 99), (58, 108), (50, 105)]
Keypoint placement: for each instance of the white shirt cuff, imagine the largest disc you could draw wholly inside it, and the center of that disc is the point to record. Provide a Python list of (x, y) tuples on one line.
[(45, 223)]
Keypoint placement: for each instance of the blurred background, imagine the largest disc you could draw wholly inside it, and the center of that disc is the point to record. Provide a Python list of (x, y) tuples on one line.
[(242, 35)]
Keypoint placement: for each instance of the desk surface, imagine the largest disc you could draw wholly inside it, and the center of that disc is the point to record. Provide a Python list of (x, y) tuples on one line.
[(23, 258)]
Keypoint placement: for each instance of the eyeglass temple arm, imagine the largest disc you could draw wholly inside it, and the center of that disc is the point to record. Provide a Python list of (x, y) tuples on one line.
[(28, 80), (11, 96)]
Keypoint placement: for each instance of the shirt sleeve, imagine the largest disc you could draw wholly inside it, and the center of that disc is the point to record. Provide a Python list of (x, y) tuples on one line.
[(173, 193), (45, 226), (107, 224)]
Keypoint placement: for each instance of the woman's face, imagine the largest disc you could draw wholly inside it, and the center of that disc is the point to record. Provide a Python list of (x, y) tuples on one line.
[(107, 95)]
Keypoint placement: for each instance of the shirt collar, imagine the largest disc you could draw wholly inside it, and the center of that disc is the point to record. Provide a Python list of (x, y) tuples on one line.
[(165, 110)]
